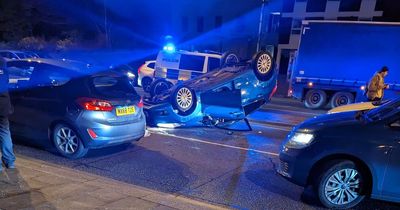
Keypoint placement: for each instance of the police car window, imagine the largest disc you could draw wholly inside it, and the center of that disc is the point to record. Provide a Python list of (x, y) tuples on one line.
[(192, 63), (151, 65), (213, 64)]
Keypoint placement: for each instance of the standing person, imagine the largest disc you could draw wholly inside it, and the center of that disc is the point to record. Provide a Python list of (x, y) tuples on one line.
[(377, 85), (6, 144)]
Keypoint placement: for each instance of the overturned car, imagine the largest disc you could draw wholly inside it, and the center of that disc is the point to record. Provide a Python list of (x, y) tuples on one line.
[(218, 98)]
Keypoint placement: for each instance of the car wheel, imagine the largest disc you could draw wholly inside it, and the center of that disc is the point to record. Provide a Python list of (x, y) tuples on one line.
[(341, 98), (67, 142), (184, 100), (263, 64), (159, 86), (146, 83), (341, 185), (315, 99), (229, 59)]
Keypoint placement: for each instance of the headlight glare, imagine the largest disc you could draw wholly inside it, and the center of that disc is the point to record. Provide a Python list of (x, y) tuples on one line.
[(300, 140)]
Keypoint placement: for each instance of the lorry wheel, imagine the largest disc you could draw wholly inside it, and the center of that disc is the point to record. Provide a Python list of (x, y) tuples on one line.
[(159, 86), (341, 98), (229, 59), (184, 100), (315, 99), (263, 65)]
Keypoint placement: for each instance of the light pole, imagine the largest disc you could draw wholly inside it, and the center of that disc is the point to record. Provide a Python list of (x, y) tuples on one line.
[(264, 2)]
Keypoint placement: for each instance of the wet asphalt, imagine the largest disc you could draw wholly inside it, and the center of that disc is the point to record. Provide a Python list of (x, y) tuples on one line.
[(235, 169)]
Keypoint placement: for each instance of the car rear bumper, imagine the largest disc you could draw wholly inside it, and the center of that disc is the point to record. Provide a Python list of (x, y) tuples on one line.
[(104, 135)]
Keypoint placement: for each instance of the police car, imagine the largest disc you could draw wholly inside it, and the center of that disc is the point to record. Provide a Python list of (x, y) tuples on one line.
[(174, 66)]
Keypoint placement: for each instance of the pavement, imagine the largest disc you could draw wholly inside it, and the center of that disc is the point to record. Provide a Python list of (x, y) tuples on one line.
[(37, 184)]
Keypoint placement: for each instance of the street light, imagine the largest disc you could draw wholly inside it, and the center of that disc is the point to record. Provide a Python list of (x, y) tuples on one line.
[(264, 2)]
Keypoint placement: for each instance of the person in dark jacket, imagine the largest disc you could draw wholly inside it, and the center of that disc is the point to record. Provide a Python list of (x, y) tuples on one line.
[(6, 145), (376, 85)]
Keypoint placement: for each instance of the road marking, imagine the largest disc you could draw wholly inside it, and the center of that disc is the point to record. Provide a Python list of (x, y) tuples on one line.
[(270, 126), (213, 143), (290, 111)]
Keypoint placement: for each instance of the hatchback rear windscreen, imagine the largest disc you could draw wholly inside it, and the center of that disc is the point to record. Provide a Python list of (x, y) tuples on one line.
[(113, 87), (192, 63)]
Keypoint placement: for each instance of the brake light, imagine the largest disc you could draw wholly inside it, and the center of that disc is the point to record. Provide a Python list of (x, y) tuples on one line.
[(92, 104), (140, 104), (140, 68)]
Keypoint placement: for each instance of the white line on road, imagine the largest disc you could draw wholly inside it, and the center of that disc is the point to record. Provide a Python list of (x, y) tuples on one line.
[(213, 143), (290, 111)]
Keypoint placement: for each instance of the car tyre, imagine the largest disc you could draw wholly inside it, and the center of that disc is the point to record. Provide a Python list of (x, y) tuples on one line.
[(341, 99), (146, 84), (263, 64), (159, 86), (68, 143), (341, 185), (229, 59), (315, 99), (184, 100)]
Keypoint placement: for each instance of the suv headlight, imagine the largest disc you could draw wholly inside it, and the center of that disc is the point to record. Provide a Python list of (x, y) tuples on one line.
[(300, 140)]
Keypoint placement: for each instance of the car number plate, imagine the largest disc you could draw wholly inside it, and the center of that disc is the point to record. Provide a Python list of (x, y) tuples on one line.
[(126, 111)]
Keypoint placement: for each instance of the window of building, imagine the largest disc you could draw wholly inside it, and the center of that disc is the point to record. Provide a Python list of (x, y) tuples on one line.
[(218, 21), (273, 23), (350, 18), (379, 5), (185, 24), (288, 6), (285, 26), (314, 18), (316, 5), (365, 19), (296, 26), (200, 24), (350, 5)]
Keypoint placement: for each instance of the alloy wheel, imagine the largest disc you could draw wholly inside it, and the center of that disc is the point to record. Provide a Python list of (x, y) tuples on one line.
[(264, 64), (343, 187), (67, 141), (184, 98)]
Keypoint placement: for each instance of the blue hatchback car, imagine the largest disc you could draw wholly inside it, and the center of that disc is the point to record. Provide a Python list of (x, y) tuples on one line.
[(219, 97), (346, 156), (74, 110)]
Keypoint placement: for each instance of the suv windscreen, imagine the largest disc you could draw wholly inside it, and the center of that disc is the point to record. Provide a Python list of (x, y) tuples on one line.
[(113, 86), (151, 65), (192, 63)]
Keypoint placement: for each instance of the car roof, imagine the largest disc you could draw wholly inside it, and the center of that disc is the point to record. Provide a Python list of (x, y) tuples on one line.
[(184, 52), (12, 51)]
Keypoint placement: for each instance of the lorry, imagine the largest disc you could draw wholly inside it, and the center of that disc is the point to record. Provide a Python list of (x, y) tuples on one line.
[(336, 59)]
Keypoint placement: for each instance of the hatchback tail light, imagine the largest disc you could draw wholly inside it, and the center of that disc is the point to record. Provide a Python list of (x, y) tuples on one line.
[(140, 104), (92, 104)]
